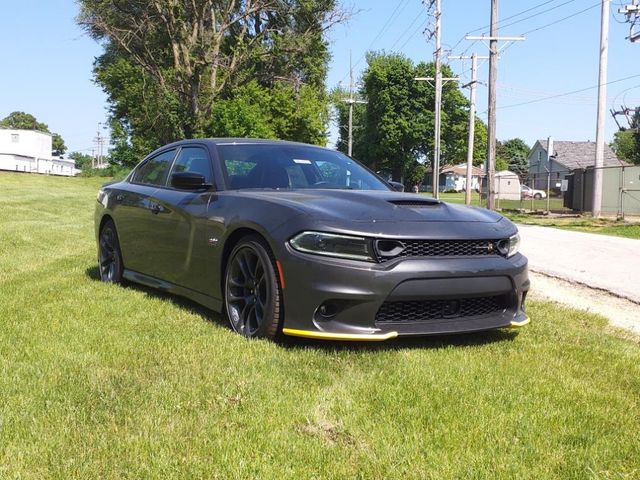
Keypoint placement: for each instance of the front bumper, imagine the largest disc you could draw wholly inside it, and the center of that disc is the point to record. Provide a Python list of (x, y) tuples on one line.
[(352, 294)]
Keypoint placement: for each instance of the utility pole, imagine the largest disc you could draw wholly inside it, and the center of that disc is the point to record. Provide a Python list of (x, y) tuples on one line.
[(630, 11), (491, 130), (99, 143), (472, 119), (493, 39), (350, 144), (438, 102), (351, 101), (602, 108)]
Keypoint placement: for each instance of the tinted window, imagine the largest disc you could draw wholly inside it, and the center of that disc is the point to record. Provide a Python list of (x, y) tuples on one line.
[(294, 166), (194, 160), (155, 170)]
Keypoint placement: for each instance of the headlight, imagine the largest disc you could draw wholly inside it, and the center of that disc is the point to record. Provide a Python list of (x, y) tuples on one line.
[(333, 245), (514, 245), (509, 246)]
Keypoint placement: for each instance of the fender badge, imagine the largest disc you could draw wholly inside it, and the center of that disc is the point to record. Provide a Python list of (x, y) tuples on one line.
[(212, 242)]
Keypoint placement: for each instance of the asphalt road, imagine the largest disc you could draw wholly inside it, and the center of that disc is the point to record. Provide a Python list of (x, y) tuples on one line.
[(598, 261)]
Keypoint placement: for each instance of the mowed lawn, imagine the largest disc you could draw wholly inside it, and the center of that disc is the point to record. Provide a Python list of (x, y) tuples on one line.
[(103, 381)]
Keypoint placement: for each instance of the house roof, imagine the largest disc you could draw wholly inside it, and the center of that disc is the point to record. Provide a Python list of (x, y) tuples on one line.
[(462, 170), (580, 154)]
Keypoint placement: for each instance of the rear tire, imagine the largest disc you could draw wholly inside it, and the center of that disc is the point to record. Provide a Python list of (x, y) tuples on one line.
[(109, 255), (251, 291)]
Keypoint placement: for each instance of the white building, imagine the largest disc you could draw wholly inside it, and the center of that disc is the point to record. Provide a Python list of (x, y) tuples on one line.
[(30, 151), (454, 177)]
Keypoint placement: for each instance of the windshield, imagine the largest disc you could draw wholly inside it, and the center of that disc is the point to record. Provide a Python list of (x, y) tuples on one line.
[(285, 166)]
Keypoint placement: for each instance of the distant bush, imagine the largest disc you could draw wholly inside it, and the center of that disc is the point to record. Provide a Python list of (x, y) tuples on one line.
[(115, 171)]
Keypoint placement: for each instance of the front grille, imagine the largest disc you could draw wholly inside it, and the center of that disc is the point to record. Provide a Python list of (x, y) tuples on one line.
[(430, 310), (444, 248)]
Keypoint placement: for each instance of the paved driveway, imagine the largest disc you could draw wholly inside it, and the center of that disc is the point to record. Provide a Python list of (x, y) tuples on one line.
[(600, 261)]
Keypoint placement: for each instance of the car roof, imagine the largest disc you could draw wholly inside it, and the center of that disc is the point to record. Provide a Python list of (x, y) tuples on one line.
[(239, 141)]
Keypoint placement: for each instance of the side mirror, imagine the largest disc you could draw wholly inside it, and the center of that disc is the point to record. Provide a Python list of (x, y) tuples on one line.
[(189, 181), (397, 186)]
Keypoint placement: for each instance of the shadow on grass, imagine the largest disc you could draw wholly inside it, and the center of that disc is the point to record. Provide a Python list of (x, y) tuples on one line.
[(428, 342), (94, 274)]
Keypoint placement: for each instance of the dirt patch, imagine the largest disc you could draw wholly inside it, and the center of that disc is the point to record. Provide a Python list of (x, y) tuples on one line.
[(620, 312)]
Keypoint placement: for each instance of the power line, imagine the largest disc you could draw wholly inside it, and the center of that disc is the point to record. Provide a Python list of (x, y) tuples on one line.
[(420, 27), (381, 32), (567, 93), (509, 18), (500, 25), (538, 14), (562, 19)]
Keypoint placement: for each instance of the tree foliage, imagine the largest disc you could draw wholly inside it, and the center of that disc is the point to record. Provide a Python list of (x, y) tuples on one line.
[(626, 145), (26, 121), (394, 130), (512, 155), (174, 69), (82, 160)]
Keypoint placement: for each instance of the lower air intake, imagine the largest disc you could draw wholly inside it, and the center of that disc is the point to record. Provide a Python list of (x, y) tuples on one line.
[(434, 310)]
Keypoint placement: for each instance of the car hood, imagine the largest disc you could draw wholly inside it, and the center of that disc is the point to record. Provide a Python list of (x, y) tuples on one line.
[(372, 206)]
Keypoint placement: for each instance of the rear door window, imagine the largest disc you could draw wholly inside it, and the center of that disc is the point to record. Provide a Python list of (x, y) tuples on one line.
[(155, 170)]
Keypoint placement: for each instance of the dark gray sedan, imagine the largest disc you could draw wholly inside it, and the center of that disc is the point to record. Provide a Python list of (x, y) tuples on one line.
[(293, 239)]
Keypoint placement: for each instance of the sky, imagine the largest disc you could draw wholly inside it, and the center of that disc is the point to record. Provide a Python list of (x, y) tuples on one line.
[(47, 59)]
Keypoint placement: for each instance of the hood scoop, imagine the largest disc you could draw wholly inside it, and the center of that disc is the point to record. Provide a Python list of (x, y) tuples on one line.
[(417, 203)]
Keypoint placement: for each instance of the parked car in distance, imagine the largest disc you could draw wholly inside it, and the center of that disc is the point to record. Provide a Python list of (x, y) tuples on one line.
[(528, 192), (285, 238)]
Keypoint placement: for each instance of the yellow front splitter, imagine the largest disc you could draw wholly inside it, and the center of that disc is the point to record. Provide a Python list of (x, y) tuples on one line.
[(524, 322), (354, 337)]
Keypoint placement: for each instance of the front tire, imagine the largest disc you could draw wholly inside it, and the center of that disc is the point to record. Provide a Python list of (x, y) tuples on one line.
[(537, 196), (252, 294), (109, 254)]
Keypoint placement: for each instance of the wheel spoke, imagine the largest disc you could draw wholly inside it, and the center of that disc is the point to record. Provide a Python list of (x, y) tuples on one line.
[(232, 297), (236, 284), (244, 267)]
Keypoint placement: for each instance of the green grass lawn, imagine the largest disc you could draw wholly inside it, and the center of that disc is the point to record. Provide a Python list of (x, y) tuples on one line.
[(555, 204), (102, 381), (587, 224)]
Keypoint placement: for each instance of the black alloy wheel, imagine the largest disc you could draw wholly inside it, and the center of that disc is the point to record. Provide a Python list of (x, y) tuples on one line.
[(252, 293), (109, 256)]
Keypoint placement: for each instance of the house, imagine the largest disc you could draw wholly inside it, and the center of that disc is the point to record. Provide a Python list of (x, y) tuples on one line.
[(30, 151), (565, 157), (454, 177)]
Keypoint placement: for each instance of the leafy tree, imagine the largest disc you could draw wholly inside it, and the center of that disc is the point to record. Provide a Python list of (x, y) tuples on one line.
[(512, 155), (26, 121), (415, 175), (626, 145), (82, 160), (394, 130), (176, 70)]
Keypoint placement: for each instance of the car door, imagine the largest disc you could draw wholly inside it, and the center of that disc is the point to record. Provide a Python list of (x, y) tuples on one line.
[(186, 236), (136, 210)]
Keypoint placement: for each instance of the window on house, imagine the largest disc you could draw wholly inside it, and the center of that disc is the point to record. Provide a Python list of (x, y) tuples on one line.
[(15, 137)]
